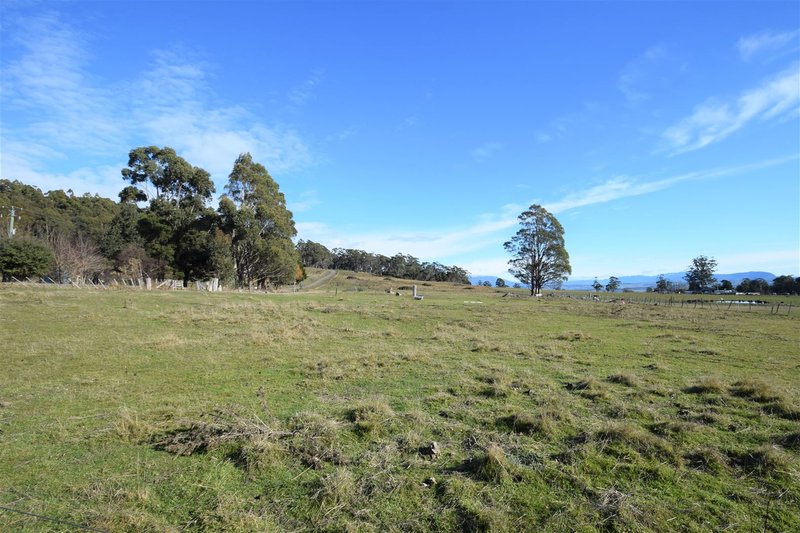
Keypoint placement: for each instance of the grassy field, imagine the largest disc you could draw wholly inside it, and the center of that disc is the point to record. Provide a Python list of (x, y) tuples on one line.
[(164, 411)]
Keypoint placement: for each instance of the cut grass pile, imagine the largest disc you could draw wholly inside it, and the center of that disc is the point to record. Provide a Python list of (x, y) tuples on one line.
[(357, 410)]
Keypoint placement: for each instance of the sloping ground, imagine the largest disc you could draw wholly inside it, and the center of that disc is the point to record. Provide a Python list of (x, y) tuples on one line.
[(318, 278)]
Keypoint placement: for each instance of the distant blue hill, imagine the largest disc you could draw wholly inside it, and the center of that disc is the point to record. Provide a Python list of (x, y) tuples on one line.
[(640, 283), (636, 283)]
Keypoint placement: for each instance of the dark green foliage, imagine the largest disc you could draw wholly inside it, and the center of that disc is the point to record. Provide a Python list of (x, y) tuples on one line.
[(613, 284), (700, 275), (758, 285), (176, 225), (123, 230), (786, 285), (166, 176), (314, 254), (539, 257), (22, 258), (402, 266), (254, 213)]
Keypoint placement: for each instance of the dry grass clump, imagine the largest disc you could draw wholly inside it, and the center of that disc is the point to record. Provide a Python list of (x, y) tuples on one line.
[(629, 380), (269, 334), (336, 490), (755, 390), (766, 461), (636, 438), (574, 336), (790, 440), (460, 497), (372, 418), (617, 510), (198, 437), (783, 409), (261, 454), (707, 458), (673, 428), (706, 385), (315, 439), (492, 465), (497, 386), (130, 428), (588, 384), (589, 387), (541, 424)]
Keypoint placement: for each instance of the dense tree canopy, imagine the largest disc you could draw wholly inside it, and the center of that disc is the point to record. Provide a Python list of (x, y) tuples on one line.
[(22, 258), (403, 266), (254, 213), (786, 285), (539, 257)]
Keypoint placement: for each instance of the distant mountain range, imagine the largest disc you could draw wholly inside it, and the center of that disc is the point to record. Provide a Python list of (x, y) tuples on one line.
[(635, 283)]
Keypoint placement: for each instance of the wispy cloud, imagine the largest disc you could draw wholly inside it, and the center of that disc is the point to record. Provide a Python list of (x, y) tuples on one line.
[(408, 122), (68, 114), (304, 202), (625, 187), (486, 151), (713, 121), (634, 76), (305, 92), (489, 230), (768, 42), (49, 82)]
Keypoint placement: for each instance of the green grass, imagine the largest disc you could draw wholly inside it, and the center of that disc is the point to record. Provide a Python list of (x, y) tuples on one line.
[(125, 410)]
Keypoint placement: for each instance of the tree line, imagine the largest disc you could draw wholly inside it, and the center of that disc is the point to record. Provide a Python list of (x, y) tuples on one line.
[(164, 227), (313, 254)]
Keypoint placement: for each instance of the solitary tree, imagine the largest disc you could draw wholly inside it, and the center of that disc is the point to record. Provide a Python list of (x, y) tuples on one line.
[(700, 275), (500, 283), (662, 285), (613, 284), (539, 256), (597, 286)]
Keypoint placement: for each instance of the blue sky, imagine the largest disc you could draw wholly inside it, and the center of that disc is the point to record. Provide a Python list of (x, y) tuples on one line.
[(655, 131)]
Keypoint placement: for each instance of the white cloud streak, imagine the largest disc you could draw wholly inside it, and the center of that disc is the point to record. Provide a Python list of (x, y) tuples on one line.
[(486, 151), (491, 230), (765, 42), (712, 122)]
